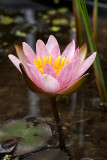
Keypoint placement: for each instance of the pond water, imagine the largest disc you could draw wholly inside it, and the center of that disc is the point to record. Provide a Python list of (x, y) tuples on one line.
[(83, 115)]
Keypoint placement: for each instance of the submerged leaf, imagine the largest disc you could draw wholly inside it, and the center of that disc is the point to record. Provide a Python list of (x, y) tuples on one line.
[(32, 137), (52, 154)]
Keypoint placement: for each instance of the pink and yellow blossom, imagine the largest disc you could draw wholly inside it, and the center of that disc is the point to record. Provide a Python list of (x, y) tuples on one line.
[(48, 70)]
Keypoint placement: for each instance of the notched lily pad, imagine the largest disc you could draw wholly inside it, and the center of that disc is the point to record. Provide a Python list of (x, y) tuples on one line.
[(31, 137), (52, 154)]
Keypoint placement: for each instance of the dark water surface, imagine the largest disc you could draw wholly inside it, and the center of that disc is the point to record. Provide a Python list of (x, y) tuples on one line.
[(84, 121)]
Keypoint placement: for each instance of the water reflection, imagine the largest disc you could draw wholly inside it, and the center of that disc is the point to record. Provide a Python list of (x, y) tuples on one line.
[(33, 102), (81, 128)]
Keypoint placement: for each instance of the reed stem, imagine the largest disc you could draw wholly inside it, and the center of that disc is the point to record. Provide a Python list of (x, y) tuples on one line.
[(95, 20), (97, 67)]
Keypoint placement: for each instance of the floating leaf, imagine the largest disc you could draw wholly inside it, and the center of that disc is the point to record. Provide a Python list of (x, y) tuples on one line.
[(6, 20), (45, 16), (52, 12), (39, 14), (5, 43), (7, 157), (52, 154), (72, 23), (31, 137), (6, 50), (56, 1), (20, 34), (48, 21), (63, 10), (62, 21), (73, 29), (55, 28)]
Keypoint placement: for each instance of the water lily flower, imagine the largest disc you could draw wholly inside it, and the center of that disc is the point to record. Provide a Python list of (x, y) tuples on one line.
[(51, 72)]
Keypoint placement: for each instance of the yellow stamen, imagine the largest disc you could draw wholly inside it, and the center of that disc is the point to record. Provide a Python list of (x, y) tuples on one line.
[(50, 59), (57, 65), (66, 61), (61, 65), (47, 59)]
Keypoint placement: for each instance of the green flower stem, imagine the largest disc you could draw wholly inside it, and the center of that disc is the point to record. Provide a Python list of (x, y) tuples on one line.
[(97, 67), (58, 124), (95, 20), (78, 22)]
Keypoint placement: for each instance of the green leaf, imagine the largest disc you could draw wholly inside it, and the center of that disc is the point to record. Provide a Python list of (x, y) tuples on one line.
[(52, 154), (32, 138)]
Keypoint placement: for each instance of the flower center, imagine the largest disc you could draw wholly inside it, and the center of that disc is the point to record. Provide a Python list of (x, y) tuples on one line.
[(57, 64)]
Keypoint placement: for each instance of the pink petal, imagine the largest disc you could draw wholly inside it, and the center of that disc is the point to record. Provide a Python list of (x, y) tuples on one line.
[(33, 87), (15, 61), (48, 69), (69, 50), (28, 50), (68, 71), (30, 59), (55, 52), (35, 75), (41, 49), (52, 42), (50, 84), (83, 67), (74, 87), (65, 75)]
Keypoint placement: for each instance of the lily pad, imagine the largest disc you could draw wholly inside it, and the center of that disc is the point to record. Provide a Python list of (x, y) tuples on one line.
[(45, 16), (31, 137), (20, 34), (63, 10), (6, 20), (73, 29), (52, 154), (56, 1), (52, 12), (55, 28), (72, 23), (62, 21)]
